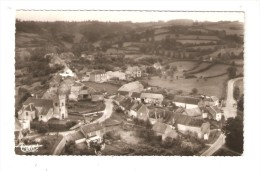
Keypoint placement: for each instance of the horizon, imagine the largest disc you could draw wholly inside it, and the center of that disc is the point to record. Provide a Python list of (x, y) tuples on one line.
[(127, 16)]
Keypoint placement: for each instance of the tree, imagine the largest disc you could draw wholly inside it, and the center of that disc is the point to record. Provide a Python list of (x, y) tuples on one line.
[(232, 72), (233, 129), (194, 91), (240, 104), (42, 127), (236, 93)]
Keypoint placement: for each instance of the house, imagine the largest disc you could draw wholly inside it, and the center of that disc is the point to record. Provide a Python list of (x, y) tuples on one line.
[(209, 101), (186, 124), (133, 72), (123, 93), (18, 132), (214, 113), (87, 56), (67, 73), (45, 109), (99, 76), (126, 105), (116, 75), (93, 132), (131, 87), (97, 96), (152, 98), (157, 66), (86, 93), (74, 92), (139, 111), (186, 102), (164, 130)]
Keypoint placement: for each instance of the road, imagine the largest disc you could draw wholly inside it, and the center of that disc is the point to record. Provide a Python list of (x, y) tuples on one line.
[(215, 146), (107, 112), (229, 111), (230, 108)]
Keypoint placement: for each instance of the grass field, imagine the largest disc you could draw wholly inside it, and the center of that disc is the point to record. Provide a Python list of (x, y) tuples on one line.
[(211, 87), (184, 65), (222, 51), (196, 41), (214, 70), (201, 66)]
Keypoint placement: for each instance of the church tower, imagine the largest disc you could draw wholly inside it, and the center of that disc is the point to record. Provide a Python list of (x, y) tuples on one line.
[(60, 108)]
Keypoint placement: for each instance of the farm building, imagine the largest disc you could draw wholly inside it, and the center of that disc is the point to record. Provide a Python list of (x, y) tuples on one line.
[(115, 75), (187, 124), (214, 113), (133, 72), (99, 76), (74, 92), (92, 132), (164, 130), (86, 93), (186, 102), (152, 98), (139, 111)]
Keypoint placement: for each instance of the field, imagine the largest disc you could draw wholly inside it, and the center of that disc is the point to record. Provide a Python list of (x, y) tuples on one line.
[(111, 89), (212, 71), (222, 51), (29, 40), (211, 87), (184, 65), (196, 41), (201, 66)]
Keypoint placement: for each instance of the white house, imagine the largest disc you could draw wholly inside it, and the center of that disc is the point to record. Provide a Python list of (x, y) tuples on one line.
[(152, 98), (116, 74), (67, 73)]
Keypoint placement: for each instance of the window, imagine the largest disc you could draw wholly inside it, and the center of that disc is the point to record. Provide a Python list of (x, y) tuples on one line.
[(62, 116), (56, 104), (27, 114), (62, 104)]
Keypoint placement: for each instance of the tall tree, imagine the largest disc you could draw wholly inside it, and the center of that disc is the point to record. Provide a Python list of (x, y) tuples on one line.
[(233, 129)]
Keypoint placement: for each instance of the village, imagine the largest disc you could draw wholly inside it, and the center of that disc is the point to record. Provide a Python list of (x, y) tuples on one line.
[(81, 113), (127, 100)]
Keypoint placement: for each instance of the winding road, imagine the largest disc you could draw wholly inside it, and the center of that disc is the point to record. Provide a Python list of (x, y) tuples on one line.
[(229, 111)]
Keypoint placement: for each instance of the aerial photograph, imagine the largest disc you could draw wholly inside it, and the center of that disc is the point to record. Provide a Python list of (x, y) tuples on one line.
[(129, 83)]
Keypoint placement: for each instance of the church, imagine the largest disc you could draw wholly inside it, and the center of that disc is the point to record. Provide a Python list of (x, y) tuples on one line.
[(45, 109)]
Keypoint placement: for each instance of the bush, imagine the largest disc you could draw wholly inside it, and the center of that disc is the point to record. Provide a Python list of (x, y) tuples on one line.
[(41, 126)]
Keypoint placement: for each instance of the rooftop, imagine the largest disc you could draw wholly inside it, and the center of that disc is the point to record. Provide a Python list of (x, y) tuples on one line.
[(186, 99), (39, 102)]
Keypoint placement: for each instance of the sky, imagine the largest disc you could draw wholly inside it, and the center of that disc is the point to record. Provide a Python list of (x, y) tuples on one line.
[(134, 16)]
